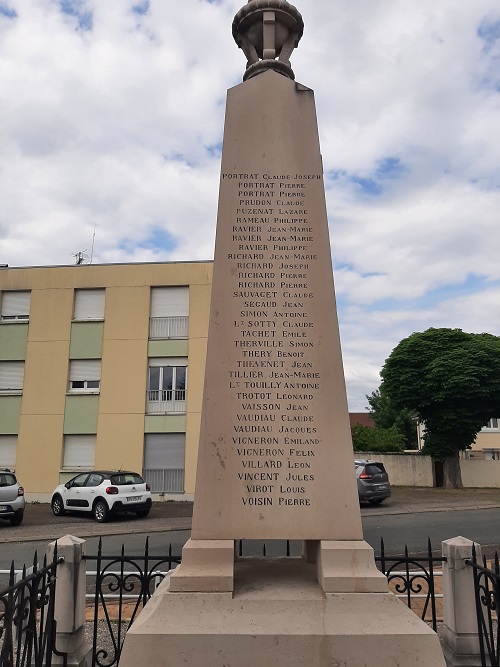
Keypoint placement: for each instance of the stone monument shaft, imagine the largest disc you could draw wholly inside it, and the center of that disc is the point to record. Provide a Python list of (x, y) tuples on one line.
[(275, 456)]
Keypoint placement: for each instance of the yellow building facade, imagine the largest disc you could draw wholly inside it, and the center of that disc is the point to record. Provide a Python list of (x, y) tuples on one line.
[(102, 366)]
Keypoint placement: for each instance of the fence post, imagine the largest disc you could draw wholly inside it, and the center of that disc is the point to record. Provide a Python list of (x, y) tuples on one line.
[(460, 637), (70, 604)]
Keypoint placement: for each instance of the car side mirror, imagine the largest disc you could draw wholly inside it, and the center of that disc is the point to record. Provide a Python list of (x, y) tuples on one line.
[(68, 485)]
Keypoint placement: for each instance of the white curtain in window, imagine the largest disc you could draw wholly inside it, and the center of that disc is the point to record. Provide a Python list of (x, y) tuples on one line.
[(8, 450), (11, 375), (79, 451), (167, 361), (89, 304), (16, 304), (164, 451), (169, 301), (85, 369)]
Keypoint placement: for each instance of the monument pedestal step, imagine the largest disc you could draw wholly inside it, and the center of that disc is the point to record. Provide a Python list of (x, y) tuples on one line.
[(278, 616)]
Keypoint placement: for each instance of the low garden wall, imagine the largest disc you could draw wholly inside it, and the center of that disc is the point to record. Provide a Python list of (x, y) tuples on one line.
[(404, 469), (417, 470)]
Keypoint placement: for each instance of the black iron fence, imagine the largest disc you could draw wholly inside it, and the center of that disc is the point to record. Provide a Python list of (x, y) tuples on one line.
[(487, 597), (119, 586), (123, 585), (27, 625), (413, 579)]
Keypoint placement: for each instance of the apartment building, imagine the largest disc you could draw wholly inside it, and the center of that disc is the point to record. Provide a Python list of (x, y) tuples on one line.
[(103, 366)]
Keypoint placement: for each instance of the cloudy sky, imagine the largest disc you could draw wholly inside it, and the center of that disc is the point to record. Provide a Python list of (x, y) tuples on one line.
[(111, 116)]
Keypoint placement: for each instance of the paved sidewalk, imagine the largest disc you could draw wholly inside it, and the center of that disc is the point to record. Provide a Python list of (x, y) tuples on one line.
[(40, 524)]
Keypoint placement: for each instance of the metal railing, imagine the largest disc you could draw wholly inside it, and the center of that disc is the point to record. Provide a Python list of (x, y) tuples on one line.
[(159, 401), (122, 579), (164, 480), (487, 598), (413, 579), (27, 624), (168, 327), (119, 586)]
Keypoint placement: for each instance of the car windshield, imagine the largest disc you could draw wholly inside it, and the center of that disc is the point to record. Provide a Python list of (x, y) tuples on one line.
[(123, 479), (7, 479)]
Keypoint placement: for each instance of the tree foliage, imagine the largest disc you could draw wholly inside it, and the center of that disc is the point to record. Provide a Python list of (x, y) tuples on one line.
[(375, 439), (451, 379), (385, 416)]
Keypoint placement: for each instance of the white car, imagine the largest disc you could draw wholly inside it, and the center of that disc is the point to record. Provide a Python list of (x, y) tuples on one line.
[(12, 501), (102, 493)]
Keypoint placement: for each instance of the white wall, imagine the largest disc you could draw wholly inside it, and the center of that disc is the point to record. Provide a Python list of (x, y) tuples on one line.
[(404, 469)]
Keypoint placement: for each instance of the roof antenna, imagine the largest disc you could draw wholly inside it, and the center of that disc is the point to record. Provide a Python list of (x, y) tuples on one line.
[(81, 257), (93, 241)]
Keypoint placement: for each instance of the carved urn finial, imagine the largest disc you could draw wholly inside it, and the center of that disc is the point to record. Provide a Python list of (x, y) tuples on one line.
[(268, 31)]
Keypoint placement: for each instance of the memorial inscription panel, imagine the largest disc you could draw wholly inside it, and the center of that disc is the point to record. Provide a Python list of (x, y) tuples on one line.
[(275, 422)]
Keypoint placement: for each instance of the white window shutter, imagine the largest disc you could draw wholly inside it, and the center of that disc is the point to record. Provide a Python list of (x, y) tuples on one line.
[(16, 304), (89, 304), (8, 450), (11, 375), (85, 369), (164, 451), (169, 301), (79, 451)]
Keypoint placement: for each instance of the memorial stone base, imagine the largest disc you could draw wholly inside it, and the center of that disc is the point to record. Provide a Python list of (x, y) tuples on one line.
[(278, 615)]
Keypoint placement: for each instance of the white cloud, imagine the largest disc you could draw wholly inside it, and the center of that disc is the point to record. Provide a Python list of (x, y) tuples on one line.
[(118, 127)]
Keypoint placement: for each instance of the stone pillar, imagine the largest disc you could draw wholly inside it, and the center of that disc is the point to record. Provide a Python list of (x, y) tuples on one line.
[(460, 637), (70, 603)]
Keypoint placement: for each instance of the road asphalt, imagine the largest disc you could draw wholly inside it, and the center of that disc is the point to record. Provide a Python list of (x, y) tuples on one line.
[(40, 524)]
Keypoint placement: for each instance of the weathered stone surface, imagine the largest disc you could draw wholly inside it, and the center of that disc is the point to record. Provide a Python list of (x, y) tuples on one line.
[(275, 457)]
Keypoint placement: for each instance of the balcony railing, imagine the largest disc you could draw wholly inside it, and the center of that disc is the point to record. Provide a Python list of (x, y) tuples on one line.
[(159, 401), (164, 480), (168, 327)]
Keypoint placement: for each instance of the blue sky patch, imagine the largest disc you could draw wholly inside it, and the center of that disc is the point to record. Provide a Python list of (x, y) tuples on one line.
[(159, 240), (489, 32), (215, 150), (7, 12), (141, 8), (77, 9), (367, 186), (390, 167)]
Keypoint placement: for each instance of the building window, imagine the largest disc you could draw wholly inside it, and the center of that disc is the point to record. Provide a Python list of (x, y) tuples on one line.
[(89, 304), (8, 451), (85, 375), (15, 306), (492, 425), (169, 312), (164, 455), (79, 452), (167, 385), (11, 376)]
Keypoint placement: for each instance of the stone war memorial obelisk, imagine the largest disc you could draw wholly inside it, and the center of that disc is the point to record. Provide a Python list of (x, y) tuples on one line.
[(275, 455)]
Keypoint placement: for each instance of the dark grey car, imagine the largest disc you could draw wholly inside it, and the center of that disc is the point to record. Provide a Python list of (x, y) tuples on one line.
[(373, 481)]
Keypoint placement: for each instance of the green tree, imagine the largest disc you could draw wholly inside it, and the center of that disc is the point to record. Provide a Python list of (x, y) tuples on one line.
[(385, 415), (375, 439), (451, 379)]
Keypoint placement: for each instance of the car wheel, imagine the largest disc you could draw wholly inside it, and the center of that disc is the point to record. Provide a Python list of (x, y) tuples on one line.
[(17, 519), (101, 511), (142, 514), (376, 501), (57, 506)]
